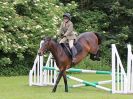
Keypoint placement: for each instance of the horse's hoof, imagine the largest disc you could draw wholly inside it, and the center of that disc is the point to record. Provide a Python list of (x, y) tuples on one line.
[(53, 91), (66, 90), (98, 59)]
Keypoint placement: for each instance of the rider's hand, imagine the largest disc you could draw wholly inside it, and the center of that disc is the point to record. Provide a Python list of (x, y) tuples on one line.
[(65, 35), (62, 35)]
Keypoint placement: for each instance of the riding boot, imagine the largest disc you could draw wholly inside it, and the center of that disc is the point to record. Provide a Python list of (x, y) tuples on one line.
[(73, 51)]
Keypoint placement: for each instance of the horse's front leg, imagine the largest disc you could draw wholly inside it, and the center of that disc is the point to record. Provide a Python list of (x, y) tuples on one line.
[(57, 80), (65, 81)]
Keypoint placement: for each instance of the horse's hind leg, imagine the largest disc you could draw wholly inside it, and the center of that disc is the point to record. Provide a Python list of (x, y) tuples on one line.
[(92, 56), (95, 56), (57, 81), (65, 82)]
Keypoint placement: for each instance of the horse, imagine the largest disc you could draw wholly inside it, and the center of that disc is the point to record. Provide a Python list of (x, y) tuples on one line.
[(89, 42)]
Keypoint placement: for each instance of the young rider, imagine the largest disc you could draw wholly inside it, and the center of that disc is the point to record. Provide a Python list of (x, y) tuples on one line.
[(67, 33)]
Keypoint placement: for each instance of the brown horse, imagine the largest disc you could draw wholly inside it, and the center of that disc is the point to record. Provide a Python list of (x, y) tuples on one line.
[(89, 42)]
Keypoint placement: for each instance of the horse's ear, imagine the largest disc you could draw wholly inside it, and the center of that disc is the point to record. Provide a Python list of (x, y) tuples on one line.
[(43, 37), (49, 38), (55, 39)]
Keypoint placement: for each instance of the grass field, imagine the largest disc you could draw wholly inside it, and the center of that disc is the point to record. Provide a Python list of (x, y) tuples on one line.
[(18, 88)]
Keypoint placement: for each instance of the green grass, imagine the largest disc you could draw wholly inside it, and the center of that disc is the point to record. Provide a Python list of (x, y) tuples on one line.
[(18, 88)]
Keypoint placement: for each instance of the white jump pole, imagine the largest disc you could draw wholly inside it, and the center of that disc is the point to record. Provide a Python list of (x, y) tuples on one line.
[(97, 83), (89, 83)]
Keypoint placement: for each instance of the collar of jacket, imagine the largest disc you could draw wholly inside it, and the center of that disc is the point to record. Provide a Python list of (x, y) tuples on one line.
[(67, 21)]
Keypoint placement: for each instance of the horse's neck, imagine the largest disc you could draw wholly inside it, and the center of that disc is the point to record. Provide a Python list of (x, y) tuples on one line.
[(55, 49)]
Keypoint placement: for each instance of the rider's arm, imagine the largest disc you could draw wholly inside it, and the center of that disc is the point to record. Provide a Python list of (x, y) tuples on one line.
[(61, 29), (70, 29)]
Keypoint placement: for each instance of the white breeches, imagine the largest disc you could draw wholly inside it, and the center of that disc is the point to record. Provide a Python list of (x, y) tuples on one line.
[(69, 41)]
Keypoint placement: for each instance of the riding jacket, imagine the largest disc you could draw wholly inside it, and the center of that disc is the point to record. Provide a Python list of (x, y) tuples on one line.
[(66, 29)]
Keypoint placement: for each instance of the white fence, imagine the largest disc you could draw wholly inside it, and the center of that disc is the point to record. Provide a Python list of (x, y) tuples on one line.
[(122, 81), (40, 77)]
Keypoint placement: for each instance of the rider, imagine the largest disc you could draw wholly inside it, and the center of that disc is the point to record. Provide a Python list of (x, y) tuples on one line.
[(67, 33)]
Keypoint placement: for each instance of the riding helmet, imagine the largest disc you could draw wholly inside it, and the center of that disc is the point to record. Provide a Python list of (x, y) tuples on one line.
[(67, 15)]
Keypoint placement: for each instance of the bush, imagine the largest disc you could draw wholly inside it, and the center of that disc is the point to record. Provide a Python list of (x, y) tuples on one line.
[(23, 24)]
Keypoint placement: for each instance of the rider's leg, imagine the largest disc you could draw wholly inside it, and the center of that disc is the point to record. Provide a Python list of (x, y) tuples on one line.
[(71, 43), (72, 50)]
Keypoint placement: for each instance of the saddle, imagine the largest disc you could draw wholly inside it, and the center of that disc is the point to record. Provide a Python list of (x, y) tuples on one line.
[(76, 48)]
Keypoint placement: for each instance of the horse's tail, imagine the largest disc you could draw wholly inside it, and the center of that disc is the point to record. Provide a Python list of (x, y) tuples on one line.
[(99, 38)]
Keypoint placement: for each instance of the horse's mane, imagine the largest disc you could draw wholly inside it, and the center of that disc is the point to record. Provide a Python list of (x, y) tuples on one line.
[(54, 39), (61, 46)]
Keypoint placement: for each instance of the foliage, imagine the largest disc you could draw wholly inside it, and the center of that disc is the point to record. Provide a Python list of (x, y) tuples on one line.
[(24, 22), (22, 25), (112, 19)]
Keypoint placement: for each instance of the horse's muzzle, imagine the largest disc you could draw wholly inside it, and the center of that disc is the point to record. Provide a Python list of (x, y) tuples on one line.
[(40, 53)]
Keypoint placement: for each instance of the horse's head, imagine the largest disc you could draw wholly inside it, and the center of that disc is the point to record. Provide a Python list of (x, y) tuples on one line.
[(44, 45)]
